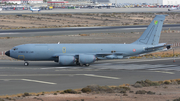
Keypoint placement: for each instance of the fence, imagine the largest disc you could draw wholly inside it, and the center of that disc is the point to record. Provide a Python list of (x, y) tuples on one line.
[(2, 53), (175, 44)]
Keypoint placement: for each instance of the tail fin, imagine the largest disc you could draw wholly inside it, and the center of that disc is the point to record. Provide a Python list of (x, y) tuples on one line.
[(152, 34)]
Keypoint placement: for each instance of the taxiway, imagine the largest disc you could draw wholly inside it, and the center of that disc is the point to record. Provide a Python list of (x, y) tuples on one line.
[(80, 30), (49, 76), (112, 10)]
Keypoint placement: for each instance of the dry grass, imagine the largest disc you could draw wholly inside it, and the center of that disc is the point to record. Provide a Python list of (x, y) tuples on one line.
[(44, 94), (80, 20)]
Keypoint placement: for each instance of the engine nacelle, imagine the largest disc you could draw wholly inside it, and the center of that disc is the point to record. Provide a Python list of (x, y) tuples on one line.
[(168, 47), (86, 59), (67, 60), (114, 57)]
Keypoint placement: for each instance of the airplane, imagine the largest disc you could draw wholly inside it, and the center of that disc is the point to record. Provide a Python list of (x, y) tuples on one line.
[(174, 8), (0, 9), (86, 54), (35, 9)]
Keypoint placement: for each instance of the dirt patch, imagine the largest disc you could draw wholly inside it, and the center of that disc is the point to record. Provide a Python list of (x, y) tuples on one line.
[(26, 21), (150, 91)]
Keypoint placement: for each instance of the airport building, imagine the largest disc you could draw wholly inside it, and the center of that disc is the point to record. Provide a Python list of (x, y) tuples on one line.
[(22, 1), (150, 2), (83, 1), (158, 2)]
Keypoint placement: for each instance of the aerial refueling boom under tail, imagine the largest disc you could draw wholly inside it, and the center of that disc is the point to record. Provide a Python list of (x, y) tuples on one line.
[(85, 54)]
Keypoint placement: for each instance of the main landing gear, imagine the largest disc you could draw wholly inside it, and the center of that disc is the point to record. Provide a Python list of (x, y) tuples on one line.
[(87, 65), (26, 64)]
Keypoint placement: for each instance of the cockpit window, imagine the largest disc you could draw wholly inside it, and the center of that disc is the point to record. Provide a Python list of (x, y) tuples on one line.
[(15, 49)]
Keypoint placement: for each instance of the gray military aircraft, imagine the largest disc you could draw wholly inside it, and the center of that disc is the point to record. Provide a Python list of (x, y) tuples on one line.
[(85, 54)]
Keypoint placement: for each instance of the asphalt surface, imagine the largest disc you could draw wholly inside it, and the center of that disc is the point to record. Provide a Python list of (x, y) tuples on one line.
[(49, 76), (78, 30), (104, 10)]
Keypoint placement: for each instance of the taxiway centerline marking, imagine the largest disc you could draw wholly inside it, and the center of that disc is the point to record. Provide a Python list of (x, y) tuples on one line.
[(107, 77), (164, 72), (92, 75), (55, 68), (39, 81), (129, 60)]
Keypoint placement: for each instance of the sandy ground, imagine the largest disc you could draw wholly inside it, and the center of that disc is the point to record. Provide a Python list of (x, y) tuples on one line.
[(162, 93), (81, 20)]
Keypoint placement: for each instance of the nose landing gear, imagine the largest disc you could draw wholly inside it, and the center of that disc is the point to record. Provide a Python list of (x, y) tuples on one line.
[(26, 64)]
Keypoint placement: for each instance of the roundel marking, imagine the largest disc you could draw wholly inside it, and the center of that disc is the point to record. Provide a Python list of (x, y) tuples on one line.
[(64, 49), (155, 22), (134, 50)]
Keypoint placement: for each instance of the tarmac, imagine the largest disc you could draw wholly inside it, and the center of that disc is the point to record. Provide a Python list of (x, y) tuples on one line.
[(104, 10), (75, 31), (49, 76)]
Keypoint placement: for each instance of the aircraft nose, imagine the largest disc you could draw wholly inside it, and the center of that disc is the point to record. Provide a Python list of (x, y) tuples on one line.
[(8, 53)]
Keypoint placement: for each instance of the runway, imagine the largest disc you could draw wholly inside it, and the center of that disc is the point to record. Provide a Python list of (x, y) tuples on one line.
[(104, 10), (49, 76), (79, 30)]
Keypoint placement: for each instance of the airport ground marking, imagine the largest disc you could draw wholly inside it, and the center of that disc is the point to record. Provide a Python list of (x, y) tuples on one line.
[(92, 75), (37, 81), (165, 72), (139, 60), (56, 68)]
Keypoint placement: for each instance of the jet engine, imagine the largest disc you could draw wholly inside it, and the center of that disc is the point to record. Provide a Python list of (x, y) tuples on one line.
[(86, 59), (67, 60), (168, 47)]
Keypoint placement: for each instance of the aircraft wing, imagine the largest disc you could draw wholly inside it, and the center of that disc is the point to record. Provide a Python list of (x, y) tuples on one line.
[(96, 54), (159, 46)]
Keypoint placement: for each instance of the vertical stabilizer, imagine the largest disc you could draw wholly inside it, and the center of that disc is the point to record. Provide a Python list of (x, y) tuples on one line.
[(152, 34)]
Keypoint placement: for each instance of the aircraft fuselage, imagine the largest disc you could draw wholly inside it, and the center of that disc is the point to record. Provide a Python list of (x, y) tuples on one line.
[(39, 52)]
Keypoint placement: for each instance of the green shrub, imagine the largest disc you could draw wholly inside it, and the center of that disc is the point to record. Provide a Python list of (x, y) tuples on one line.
[(137, 85), (145, 83), (26, 94), (97, 88), (123, 91), (177, 99), (62, 93), (1, 99), (125, 94), (178, 81), (70, 91), (55, 93), (125, 88), (154, 84), (160, 82), (131, 91), (167, 82), (86, 89), (150, 92), (141, 92)]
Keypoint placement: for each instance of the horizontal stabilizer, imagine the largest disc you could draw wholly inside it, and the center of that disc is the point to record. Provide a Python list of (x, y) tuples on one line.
[(158, 46)]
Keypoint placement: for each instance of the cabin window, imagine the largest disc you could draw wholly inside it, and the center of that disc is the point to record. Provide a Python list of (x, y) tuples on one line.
[(15, 49)]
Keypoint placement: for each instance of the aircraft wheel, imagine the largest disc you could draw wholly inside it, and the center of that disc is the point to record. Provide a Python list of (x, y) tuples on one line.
[(77, 63), (81, 65), (87, 65), (26, 63)]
